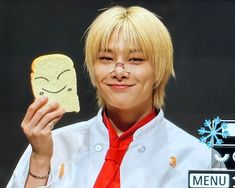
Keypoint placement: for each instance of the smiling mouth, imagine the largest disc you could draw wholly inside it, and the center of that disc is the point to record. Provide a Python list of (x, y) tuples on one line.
[(54, 91), (120, 86)]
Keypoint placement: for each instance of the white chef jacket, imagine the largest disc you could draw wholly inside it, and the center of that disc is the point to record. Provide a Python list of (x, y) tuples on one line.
[(82, 147)]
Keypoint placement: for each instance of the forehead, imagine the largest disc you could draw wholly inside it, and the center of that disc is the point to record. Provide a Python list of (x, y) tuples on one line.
[(120, 41)]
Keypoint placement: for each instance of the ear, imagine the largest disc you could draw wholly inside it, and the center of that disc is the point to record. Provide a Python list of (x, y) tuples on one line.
[(155, 85)]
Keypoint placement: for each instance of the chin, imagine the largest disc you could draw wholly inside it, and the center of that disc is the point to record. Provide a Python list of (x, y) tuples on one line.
[(121, 105)]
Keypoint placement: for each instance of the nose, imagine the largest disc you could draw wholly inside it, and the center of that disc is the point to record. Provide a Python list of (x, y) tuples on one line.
[(119, 71)]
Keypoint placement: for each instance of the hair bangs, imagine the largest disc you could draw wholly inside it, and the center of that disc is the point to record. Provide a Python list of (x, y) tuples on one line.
[(133, 39)]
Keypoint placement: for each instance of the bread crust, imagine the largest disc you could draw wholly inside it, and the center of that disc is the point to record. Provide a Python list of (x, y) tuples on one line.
[(54, 76)]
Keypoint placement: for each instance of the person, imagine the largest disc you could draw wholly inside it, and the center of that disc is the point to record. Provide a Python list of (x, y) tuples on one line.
[(129, 143)]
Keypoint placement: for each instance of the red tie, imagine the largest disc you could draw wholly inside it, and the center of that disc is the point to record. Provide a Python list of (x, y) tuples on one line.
[(109, 176)]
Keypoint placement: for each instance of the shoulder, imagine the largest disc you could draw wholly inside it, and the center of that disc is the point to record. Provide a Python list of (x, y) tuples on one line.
[(188, 147), (181, 136)]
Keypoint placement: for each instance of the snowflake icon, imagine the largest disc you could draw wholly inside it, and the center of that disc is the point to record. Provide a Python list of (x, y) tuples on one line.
[(211, 131)]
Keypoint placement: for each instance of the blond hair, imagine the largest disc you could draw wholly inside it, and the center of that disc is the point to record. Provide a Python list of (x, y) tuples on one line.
[(139, 27)]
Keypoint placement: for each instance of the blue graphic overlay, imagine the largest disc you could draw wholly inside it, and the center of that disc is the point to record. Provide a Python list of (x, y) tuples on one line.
[(212, 131)]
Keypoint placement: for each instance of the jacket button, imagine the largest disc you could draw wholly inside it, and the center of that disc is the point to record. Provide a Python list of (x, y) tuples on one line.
[(98, 147), (141, 148)]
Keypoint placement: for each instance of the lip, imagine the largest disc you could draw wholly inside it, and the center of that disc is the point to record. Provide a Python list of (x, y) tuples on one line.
[(120, 86)]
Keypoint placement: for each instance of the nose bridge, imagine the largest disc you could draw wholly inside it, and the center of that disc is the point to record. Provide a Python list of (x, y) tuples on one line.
[(120, 59), (119, 68), (119, 64)]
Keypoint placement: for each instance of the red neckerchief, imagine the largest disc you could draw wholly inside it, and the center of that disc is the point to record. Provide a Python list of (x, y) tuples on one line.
[(109, 175)]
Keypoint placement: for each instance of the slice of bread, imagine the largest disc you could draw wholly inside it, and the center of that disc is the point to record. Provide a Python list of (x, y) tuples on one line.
[(54, 76)]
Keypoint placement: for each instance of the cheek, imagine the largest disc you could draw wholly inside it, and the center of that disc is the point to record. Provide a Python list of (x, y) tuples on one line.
[(100, 71), (99, 74), (145, 75)]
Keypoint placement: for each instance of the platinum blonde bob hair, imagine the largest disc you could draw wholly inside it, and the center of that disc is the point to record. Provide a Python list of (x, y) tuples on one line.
[(139, 27)]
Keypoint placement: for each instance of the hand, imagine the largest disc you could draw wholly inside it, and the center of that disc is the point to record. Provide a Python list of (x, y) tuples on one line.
[(37, 127)]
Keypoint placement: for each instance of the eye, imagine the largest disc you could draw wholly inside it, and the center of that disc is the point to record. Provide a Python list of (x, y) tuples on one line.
[(41, 93), (221, 159), (70, 89), (136, 59), (106, 58)]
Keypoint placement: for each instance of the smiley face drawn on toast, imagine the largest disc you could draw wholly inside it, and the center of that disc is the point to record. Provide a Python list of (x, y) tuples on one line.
[(54, 76), (58, 78)]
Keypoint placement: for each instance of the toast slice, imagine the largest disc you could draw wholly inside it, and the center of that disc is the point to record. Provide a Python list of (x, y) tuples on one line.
[(54, 76)]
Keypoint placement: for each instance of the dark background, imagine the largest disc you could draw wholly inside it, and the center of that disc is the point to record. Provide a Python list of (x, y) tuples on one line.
[(203, 33)]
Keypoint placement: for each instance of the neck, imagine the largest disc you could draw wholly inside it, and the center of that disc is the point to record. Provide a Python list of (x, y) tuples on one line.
[(123, 119)]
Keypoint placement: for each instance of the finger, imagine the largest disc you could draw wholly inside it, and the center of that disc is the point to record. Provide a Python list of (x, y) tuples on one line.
[(33, 109), (51, 124), (50, 119), (44, 111)]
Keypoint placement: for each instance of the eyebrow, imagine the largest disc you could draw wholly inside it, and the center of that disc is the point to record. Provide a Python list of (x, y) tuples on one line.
[(135, 50), (41, 77), (62, 73), (111, 51), (106, 50)]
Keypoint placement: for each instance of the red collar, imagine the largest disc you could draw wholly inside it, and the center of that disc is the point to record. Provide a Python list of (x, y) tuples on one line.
[(112, 133)]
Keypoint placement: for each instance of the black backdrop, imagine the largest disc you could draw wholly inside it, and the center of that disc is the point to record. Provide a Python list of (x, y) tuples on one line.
[(203, 34)]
